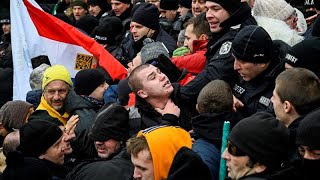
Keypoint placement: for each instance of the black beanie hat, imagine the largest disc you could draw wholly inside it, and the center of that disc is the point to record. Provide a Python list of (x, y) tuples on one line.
[(305, 54), (37, 136), (125, 1), (308, 133), (87, 80), (263, 138), (101, 3), (111, 122), (108, 30), (147, 15), (185, 3), (231, 6), (169, 4), (253, 44), (87, 23), (80, 3), (5, 20)]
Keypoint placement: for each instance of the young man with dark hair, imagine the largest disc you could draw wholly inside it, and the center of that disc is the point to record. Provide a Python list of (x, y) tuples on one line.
[(196, 38), (296, 93)]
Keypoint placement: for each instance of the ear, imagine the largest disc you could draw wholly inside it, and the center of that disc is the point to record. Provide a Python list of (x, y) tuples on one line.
[(288, 107), (143, 94), (197, 107), (259, 168), (203, 37)]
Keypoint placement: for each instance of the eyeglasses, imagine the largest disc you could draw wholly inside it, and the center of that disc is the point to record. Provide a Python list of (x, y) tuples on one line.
[(234, 150)]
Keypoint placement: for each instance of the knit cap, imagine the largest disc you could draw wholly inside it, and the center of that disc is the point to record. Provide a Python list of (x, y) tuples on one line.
[(263, 138), (79, 3), (305, 54), (147, 15), (36, 76), (164, 142), (111, 122), (308, 132), (232, 6), (185, 3), (37, 136), (276, 9), (169, 4), (56, 72), (5, 20), (87, 80), (87, 23), (101, 3), (13, 114), (151, 50), (105, 33), (253, 44)]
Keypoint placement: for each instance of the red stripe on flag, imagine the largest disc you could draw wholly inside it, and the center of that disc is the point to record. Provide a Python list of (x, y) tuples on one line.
[(53, 28)]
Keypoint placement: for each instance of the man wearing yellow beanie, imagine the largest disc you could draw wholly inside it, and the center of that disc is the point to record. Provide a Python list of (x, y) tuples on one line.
[(56, 85), (163, 152)]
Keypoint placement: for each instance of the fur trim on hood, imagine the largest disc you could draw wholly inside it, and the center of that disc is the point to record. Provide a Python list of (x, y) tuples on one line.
[(281, 32)]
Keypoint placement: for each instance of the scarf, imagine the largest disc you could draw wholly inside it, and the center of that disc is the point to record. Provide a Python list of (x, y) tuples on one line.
[(53, 113)]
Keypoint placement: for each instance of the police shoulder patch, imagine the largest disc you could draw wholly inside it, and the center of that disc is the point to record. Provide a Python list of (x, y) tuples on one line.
[(225, 48)]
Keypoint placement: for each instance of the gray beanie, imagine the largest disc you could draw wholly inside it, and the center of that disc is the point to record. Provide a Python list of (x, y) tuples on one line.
[(276, 9), (36, 76), (151, 50), (13, 114)]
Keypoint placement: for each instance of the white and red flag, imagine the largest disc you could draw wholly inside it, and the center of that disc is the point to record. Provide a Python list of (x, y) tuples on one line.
[(35, 32)]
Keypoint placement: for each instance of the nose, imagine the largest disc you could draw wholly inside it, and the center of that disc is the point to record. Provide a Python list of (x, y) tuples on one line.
[(236, 65), (225, 154), (136, 173), (185, 43)]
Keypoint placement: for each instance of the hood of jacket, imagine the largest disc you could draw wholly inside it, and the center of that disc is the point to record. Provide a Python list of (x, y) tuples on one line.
[(282, 32)]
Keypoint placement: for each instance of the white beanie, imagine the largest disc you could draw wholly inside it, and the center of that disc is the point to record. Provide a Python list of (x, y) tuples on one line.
[(276, 9)]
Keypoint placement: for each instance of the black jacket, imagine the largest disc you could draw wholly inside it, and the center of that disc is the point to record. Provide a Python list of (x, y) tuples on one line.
[(117, 168), (256, 94), (6, 78), (210, 125)]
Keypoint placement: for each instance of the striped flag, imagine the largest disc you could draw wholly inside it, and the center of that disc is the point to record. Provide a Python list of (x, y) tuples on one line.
[(35, 32)]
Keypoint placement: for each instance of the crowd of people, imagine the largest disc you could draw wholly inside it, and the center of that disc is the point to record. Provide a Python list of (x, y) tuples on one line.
[(192, 65)]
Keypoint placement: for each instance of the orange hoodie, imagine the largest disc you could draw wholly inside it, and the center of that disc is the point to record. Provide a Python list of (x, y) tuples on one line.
[(164, 142)]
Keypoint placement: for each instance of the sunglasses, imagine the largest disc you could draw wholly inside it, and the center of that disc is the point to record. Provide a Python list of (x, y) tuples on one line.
[(234, 150)]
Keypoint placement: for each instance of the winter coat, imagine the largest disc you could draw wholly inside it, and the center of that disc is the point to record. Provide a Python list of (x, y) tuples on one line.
[(117, 168), (6, 78), (34, 97), (195, 62), (282, 32), (208, 129)]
